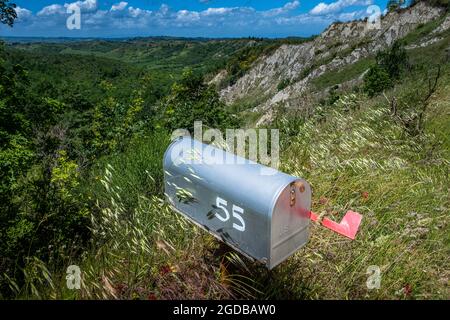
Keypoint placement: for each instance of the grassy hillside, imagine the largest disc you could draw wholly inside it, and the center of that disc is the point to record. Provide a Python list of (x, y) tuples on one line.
[(364, 161)]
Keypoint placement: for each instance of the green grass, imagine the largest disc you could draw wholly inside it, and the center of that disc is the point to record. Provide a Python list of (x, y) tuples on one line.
[(347, 73), (365, 162), (248, 102), (138, 171), (362, 161), (432, 54), (438, 119), (423, 30)]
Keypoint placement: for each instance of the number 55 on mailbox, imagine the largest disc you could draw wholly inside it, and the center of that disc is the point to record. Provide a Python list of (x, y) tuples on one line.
[(263, 216)]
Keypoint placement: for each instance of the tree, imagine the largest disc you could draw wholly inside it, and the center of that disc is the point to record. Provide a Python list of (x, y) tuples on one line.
[(393, 60), (376, 80), (7, 12), (393, 5), (388, 68), (191, 100)]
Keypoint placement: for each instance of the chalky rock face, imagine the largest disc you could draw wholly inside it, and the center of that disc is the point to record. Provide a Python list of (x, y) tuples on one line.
[(342, 44), (259, 211)]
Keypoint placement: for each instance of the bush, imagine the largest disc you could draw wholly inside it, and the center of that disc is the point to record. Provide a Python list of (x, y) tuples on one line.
[(388, 68), (191, 100), (376, 80), (393, 60), (283, 84)]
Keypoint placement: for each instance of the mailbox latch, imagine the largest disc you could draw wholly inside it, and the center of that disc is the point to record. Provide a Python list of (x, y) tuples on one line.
[(296, 185), (292, 194)]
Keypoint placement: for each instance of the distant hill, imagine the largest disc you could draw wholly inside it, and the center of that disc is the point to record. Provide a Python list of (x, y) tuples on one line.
[(341, 54)]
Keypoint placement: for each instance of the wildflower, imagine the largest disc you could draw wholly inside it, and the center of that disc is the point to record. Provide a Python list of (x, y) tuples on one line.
[(407, 289), (151, 296), (165, 270)]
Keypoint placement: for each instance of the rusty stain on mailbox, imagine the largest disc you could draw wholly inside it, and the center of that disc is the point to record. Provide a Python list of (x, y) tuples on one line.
[(260, 212)]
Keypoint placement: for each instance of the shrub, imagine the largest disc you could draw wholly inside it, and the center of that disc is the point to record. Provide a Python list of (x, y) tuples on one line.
[(393, 60), (191, 100), (376, 80), (283, 84), (388, 68)]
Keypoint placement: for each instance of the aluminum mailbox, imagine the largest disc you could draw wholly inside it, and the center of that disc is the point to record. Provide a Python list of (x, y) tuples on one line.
[(258, 211)]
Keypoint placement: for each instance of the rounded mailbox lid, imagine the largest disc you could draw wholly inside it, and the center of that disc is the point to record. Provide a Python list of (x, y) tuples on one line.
[(242, 179)]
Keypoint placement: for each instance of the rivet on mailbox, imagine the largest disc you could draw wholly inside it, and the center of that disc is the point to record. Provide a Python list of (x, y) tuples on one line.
[(258, 211)]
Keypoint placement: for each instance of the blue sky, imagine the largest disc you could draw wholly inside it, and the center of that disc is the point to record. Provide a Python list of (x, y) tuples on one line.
[(188, 18)]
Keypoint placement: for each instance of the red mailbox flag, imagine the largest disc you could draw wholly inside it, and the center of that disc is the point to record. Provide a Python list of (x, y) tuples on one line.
[(348, 227)]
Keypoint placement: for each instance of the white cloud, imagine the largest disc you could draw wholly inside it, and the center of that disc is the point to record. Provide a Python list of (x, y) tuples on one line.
[(303, 19), (323, 8), (57, 9), (292, 5), (137, 12), (347, 16), (119, 6), (23, 13), (164, 9), (285, 9), (216, 11), (96, 19), (51, 10), (85, 6), (187, 16)]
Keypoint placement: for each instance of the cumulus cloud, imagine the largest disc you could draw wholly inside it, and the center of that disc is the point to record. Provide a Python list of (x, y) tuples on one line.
[(187, 16), (23, 13), (119, 6), (137, 12), (85, 6), (216, 11), (337, 6), (57, 9), (285, 9), (52, 10), (121, 19)]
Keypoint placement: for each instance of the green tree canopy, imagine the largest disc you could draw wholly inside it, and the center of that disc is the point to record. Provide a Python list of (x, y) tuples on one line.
[(7, 12), (191, 100)]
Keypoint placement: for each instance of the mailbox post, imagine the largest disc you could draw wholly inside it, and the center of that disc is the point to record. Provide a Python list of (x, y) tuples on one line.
[(263, 216)]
